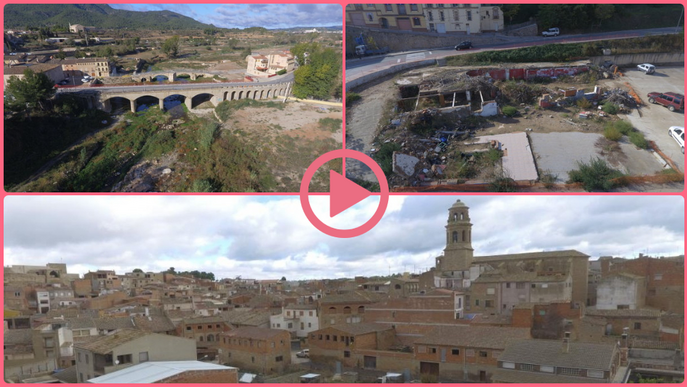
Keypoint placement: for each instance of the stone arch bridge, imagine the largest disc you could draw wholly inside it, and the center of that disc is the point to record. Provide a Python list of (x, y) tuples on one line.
[(173, 75), (193, 94)]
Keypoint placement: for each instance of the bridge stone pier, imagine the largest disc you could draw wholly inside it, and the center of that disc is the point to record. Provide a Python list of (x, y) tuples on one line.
[(192, 94)]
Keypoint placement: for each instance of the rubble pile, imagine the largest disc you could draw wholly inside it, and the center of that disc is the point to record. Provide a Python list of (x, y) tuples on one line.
[(621, 98)]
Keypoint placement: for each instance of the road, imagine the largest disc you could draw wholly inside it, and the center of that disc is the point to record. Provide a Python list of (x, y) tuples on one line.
[(177, 86), (355, 68)]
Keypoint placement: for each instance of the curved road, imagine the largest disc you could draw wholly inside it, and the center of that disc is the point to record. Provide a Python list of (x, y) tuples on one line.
[(356, 68)]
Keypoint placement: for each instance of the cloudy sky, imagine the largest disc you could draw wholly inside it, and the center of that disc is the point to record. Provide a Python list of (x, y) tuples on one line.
[(252, 15), (269, 237)]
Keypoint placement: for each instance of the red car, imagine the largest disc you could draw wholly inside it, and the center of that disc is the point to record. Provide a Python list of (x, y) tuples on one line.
[(673, 101)]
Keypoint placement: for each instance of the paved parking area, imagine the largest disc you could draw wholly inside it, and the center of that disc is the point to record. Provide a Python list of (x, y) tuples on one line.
[(656, 119)]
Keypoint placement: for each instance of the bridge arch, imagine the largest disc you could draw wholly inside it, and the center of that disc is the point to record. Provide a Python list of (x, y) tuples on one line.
[(116, 103), (160, 78), (201, 98), (144, 102), (173, 100)]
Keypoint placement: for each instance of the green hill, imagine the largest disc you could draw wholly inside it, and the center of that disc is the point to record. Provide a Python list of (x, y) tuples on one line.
[(97, 15)]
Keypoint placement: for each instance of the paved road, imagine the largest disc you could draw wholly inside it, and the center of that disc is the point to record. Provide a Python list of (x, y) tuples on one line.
[(355, 68)]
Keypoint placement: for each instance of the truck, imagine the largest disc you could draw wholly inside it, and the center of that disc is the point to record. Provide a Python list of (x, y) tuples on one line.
[(551, 32), (363, 50)]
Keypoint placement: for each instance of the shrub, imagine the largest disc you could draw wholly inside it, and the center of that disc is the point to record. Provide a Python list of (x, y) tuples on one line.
[(548, 179), (351, 97), (207, 134), (509, 111), (503, 184), (202, 186), (610, 108), (595, 176), (385, 156), (611, 133), (583, 103), (623, 127), (281, 72), (637, 138)]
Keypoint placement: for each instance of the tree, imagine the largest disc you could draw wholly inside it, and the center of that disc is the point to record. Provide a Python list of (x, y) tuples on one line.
[(60, 54), (318, 71), (171, 270), (135, 270), (31, 91), (510, 11), (171, 46), (603, 12), (283, 279)]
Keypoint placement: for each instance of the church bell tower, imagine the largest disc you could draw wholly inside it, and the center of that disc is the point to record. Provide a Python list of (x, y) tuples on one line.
[(458, 252)]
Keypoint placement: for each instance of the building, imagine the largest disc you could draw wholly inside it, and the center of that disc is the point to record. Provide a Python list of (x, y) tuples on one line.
[(78, 67), (467, 353), (76, 28), (299, 320), (42, 301), (408, 17), (262, 350), (346, 343), (268, 65), (548, 361), (495, 284), (171, 372), (345, 308), (463, 18), (105, 354), (621, 291), (53, 71)]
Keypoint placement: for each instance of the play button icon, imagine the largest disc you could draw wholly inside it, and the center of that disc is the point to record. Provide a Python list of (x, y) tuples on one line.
[(343, 193)]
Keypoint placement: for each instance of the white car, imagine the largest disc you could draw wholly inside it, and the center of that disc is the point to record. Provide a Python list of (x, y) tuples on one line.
[(678, 133), (551, 32), (646, 67)]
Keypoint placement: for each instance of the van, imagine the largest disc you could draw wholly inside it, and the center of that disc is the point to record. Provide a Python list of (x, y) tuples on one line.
[(646, 67)]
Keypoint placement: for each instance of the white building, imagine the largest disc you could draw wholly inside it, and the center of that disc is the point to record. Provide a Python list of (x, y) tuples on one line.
[(463, 18), (299, 320), (621, 291)]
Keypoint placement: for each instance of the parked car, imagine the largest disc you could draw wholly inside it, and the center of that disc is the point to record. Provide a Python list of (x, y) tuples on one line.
[(646, 67), (303, 353), (673, 101), (464, 45), (551, 32), (678, 134)]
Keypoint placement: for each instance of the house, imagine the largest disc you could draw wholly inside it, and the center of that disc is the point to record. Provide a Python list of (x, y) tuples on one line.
[(266, 65), (464, 353), (204, 330), (105, 354), (53, 71), (345, 308), (553, 361), (463, 19), (78, 67), (621, 291), (640, 323), (344, 342), (171, 372), (261, 350), (408, 17), (299, 320)]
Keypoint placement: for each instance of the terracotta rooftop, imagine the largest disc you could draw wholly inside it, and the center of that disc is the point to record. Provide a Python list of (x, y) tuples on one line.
[(474, 336), (537, 255), (105, 344), (351, 297), (254, 333), (154, 324), (623, 312), (113, 323), (550, 352), (360, 329), (38, 68)]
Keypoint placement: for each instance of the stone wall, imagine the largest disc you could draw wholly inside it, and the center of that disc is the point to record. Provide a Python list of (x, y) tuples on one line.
[(408, 40), (634, 59)]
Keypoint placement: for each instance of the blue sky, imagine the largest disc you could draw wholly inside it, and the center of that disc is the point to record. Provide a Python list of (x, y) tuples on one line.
[(269, 237), (252, 15)]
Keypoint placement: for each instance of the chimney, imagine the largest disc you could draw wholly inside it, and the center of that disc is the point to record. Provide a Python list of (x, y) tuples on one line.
[(566, 342)]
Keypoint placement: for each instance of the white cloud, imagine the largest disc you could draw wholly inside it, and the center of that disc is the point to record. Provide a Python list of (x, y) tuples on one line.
[(270, 237)]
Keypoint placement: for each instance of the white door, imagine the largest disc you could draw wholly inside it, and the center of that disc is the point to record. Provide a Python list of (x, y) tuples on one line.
[(441, 28)]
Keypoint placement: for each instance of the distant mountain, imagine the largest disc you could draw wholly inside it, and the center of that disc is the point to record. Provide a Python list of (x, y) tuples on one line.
[(96, 15), (294, 29)]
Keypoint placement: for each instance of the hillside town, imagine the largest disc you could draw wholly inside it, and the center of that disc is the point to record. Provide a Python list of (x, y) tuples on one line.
[(536, 317)]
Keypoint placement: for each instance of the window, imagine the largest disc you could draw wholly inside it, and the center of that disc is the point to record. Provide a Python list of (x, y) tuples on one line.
[(188, 328), (527, 367), (507, 285), (413, 7), (347, 353), (488, 303), (369, 17), (483, 354), (455, 351), (290, 325), (469, 15), (491, 291), (508, 365), (441, 17), (78, 357), (547, 369), (533, 286), (388, 7), (279, 358), (87, 358), (570, 371), (658, 277), (519, 285), (476, 302), (309, 325), (637, 325), (310, 313), (327, 337), (124, 359), (300, 313), (142, 357), (432, 350), (595, 374), (17, 294), (402, 9)]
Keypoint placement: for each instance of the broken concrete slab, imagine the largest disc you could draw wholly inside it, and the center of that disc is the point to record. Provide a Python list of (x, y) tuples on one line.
[(404, 164)]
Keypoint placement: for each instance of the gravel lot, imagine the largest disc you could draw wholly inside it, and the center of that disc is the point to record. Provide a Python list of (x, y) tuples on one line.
[(656, 119)]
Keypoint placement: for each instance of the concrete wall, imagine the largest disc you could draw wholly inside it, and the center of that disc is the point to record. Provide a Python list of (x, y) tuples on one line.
[(350, 84), (634, 59), (619, 290)]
